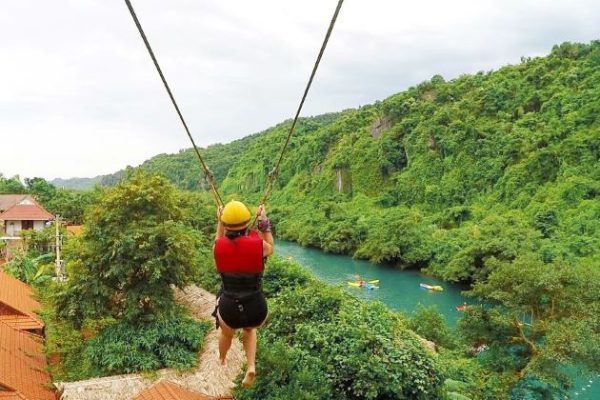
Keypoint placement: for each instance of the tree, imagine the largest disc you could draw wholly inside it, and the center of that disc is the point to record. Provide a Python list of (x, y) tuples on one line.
[(11, 185), (541, 317), (429, 323), (135, 246), (43, 191)]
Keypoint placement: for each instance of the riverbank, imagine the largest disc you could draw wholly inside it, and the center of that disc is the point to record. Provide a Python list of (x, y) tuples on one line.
[(399, 290)]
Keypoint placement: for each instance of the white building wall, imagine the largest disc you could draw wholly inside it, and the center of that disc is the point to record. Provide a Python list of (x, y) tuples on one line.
[(14, 227), (39, 225)]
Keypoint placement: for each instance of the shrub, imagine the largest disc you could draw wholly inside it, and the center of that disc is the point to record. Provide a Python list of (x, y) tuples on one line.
[(126, 348), (355, 349), (428, 322)]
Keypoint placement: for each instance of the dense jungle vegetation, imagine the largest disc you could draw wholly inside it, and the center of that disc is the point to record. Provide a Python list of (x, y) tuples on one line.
[(116, 314)]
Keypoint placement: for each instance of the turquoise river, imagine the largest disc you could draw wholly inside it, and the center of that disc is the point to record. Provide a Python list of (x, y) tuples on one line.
[(400, 291)]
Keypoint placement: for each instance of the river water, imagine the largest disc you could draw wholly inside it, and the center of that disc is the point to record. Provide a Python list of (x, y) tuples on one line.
[(400, 291)]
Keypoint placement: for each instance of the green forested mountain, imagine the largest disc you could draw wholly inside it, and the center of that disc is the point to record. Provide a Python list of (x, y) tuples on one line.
[(452, 176), (183, 169)]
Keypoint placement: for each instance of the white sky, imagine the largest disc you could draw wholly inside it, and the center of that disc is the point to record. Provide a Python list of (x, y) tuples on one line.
[(79, 95)]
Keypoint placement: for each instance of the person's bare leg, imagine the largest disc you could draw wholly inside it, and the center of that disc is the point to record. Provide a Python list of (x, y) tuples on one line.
[(249, 341), (225, 339)]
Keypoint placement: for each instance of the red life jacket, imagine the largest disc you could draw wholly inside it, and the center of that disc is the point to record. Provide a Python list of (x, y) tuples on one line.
[(244, 254)]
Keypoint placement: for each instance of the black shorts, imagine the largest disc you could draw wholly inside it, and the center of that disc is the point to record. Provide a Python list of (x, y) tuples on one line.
[(248, 311)]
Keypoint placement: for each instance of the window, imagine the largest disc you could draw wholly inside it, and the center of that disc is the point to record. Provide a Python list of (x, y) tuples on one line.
[(26, 225)]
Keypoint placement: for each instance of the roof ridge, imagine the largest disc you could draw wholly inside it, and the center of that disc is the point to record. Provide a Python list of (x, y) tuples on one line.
[(13, 209), (26, 296)]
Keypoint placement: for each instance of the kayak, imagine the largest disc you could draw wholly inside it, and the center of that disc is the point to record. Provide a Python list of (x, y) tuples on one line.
[(367, 285), (462, 307), (357, 283), (435, 288)]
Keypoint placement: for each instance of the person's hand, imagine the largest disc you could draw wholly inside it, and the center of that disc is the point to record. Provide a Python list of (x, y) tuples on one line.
[(261, 213), (263, 224)]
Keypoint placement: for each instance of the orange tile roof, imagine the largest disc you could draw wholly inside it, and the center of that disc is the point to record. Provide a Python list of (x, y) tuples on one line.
[(26, 212), (9, 200), (74, 229), (11, 396), (164, 390), (18, 296), (21, 322), (22, 366)]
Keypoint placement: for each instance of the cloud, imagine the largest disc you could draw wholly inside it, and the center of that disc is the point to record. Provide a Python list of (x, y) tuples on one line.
[(79, 95)]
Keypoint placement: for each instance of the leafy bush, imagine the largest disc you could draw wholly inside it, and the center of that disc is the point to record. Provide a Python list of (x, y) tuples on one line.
[(428, 322), (33, 270), (292, 374), (357, 350), (135, 246), (127, 348), (283, 275)]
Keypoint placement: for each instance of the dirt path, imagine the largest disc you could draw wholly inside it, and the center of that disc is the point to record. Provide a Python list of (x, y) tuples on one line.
[(209, 376)]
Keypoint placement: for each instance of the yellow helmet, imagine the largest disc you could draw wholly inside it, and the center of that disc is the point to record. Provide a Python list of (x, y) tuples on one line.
[(236, 216)]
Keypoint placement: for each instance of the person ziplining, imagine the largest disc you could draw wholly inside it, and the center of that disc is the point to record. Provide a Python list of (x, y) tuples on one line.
[(240, 254), (239, 250)]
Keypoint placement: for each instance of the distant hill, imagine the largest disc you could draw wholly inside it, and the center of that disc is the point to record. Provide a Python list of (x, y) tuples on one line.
[(182, 168), (77, 183)]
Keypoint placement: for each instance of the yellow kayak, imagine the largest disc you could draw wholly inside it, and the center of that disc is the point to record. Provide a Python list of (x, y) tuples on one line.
[(357, 284), (366, 285)]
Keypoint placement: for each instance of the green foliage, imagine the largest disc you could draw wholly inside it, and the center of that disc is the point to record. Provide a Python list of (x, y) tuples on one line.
[(466, 376), (106, 346), (532, 388), (135, 246), (281, 275), (542, 317), (11, 185), (428, 322), (69, 204), (33, 270), (127, 348), (292, 374), (321, 343)]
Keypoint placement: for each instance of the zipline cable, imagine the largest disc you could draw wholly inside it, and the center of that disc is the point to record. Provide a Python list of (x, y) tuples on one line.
[(207, 173), (273, 174)]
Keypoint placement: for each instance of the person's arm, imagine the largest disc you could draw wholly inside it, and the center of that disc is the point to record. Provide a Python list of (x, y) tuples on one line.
[(264, 231), (220, 227)]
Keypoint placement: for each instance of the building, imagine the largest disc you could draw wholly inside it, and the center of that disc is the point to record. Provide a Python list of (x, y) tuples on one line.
[(17, 305), (21, 212), (23, 373)]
